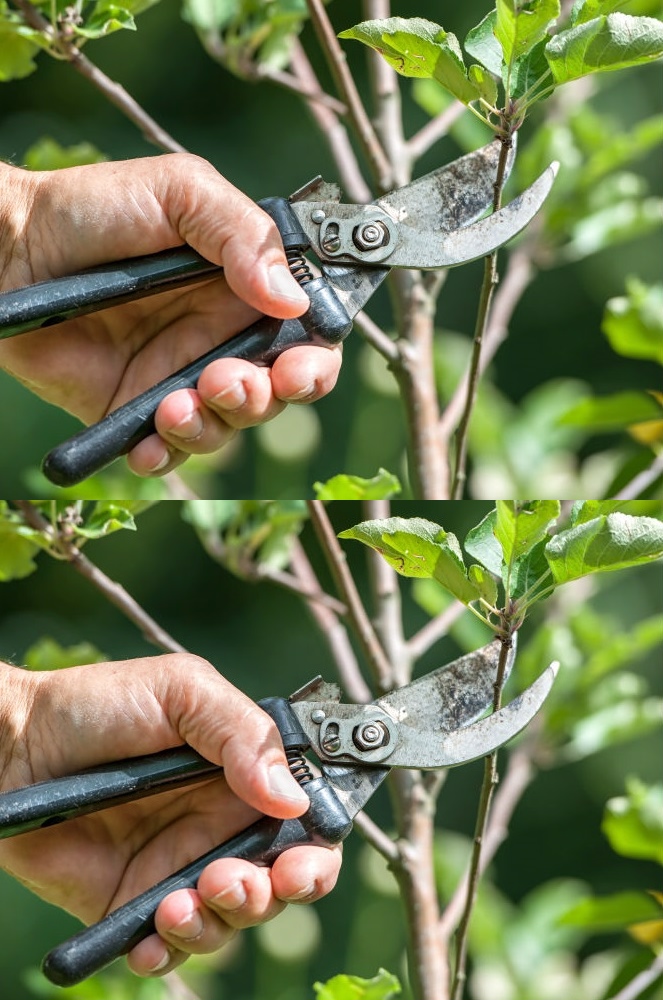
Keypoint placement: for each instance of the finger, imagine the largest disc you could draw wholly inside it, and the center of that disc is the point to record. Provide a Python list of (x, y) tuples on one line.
[(304, 374), (228, 228), (153, 457), (153, 957), (186, 924), (304, 874), (187, 424), (226, 727), (238, 892), (239, 392)]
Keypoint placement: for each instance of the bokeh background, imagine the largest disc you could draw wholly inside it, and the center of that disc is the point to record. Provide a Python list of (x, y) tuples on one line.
[(262, 140), (262, 639)]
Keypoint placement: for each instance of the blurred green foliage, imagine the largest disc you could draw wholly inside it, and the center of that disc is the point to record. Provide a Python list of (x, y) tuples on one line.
[(577, 846), (606, 203)]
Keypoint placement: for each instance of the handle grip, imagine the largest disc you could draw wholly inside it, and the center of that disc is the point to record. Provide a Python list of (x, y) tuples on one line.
[(49, 802), (325, 323), (89, 951), (49, 302)]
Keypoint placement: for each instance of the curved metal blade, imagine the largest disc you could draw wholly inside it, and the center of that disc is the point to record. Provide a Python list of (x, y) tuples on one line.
[(425, 750)]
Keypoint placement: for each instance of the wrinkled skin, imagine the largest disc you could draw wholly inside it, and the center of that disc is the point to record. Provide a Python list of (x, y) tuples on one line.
[(55, 223), (56, 723)]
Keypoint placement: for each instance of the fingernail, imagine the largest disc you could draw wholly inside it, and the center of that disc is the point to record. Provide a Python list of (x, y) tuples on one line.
[(300, 897), (190, 427), (161, 464), (232, 898), (299, 397), (231, 398), (161, 964), (190, 927), (283, 285), (283, 785)]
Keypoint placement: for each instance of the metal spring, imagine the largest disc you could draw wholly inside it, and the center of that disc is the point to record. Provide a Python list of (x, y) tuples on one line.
[(299, 767), (299, 267)]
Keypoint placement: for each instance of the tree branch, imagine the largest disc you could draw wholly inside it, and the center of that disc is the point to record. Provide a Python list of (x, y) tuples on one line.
[(112, 591), (348, 592), (434, 630), (348, 92), (642, 981), (434, 130), (333, 130), (332, 629), (112, 91), (387, 616), (642, 481)]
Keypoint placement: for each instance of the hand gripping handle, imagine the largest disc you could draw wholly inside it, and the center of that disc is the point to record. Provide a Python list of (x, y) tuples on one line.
[(89, 951)]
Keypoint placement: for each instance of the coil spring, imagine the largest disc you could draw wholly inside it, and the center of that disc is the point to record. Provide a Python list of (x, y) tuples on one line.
[(299, 766), (299, 267)]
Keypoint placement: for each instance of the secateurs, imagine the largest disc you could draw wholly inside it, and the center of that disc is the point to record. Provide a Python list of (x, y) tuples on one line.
[(437, 721), (435, 222)]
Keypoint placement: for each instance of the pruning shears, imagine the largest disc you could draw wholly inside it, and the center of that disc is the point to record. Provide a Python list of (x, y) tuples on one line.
[(435, 222), (438, 721)]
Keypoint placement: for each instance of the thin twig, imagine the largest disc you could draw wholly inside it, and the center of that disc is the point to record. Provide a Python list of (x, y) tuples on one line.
[(348, 592), (348, 92), (434, 130), (332, 629), (434, 630), (518, 275), (387, 101), (111, 90), (114, 592), (490, 279), (332, 129), (490, 779), (376, 836), (642, 481), (518, 775), (642, 981), (376, 337)]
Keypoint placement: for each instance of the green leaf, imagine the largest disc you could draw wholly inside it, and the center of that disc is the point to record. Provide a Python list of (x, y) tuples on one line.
[(586, 10), (418, 548), (484, 82), (17, 50), (47, 154), (613, 913), (520, 26), (609, 42), (627, 219), (634, 323), (606, 543), (484, 582), (344, 487), (613, 146), (628, 717), (416, 47), (16, 553), (615, 412), (384, 986), (47, 654), (105, 19), (104, 519), (587, 510), (521, 524), (481, 544), (528, 570), (529, 70), (481, 44), (633, 823)]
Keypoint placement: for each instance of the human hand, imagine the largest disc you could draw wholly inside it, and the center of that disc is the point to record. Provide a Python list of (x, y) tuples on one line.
[(59, 722), (58, 222)]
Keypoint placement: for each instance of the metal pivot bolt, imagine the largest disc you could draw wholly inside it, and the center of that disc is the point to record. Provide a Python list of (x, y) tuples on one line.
[(370, 235), (370, 735)]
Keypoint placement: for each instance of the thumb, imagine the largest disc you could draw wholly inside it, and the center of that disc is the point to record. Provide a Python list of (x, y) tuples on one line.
[(226, 727), (226, 227)]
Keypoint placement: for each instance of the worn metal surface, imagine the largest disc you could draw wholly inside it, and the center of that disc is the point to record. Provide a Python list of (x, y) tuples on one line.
[(436, 220)]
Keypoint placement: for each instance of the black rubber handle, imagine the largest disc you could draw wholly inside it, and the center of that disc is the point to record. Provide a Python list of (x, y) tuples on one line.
[(93, 948), (97, 446), (50, 302), (49, 802)]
